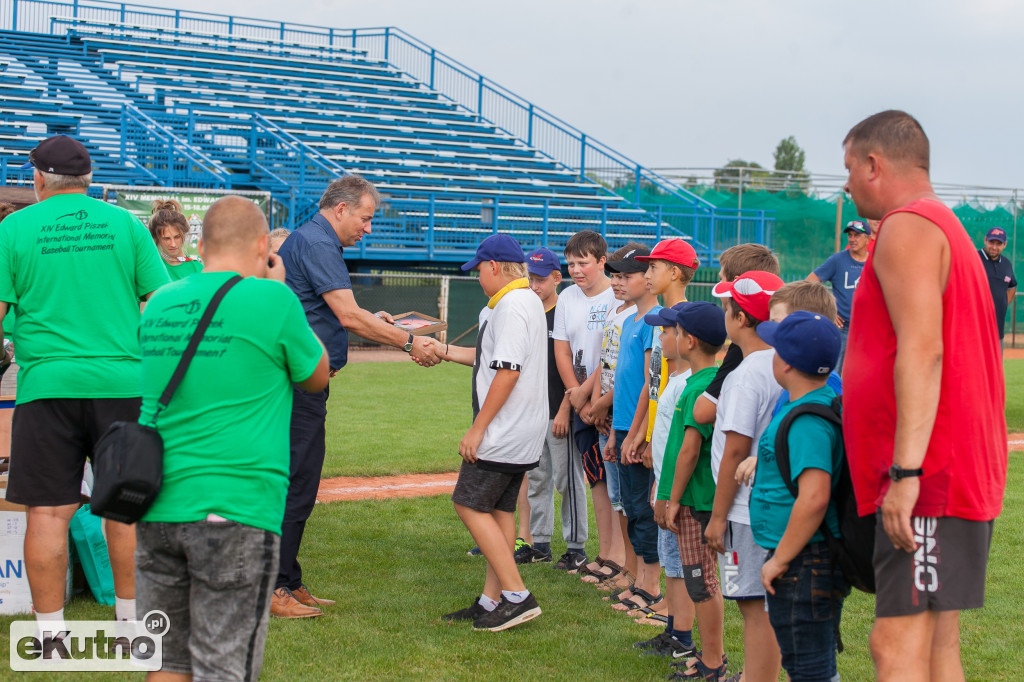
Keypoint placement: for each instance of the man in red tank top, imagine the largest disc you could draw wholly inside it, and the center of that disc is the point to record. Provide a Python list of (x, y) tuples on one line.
[(924, 410)]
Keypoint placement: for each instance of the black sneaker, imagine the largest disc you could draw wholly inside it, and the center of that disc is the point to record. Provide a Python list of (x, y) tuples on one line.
[(653, 642), (671, 647), (508, 615), (571, 561), (531, 555), (472, 613)]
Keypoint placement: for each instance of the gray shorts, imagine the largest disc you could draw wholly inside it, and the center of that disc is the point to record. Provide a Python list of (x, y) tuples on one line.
[(214, 581), (486, 491), (946, 573), (740, 566)]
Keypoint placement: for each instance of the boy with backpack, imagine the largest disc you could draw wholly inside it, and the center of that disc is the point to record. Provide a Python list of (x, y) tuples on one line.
[(791, 502)]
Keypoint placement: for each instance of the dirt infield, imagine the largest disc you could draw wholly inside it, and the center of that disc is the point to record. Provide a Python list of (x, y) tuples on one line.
[(345, 488)]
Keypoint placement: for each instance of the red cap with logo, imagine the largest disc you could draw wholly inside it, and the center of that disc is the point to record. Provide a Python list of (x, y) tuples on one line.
[(752, 291), (674, 250)]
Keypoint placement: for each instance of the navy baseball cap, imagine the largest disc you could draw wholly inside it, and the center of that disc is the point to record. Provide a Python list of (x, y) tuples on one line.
[(542, 262), (665, 317), (497, 247), (997, 234), (61, 155), (704, 320), (858, 226), (631, 261), (805, 340)]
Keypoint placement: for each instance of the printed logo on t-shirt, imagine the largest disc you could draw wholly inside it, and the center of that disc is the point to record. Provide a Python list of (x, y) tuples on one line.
[(846, 281), (596, 316)]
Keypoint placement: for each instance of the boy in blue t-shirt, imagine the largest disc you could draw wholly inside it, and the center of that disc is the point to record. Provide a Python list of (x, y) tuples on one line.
[(804, 592)]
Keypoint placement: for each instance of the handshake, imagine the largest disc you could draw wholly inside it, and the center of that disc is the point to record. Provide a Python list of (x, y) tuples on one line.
[(427, 351)]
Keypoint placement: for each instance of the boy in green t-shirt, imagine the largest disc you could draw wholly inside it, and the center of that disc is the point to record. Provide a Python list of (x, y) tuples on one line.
[(689, 492), (805, 621)]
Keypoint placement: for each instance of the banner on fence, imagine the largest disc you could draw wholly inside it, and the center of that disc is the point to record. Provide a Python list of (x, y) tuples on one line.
[(193, 205)]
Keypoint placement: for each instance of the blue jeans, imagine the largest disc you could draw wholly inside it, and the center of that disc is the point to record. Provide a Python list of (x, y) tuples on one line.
[(844, 333), (805, 612), (611, 477), (635, 481)]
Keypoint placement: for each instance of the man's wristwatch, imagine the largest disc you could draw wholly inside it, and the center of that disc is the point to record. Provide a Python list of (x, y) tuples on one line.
[(898, 473), (408, 345)]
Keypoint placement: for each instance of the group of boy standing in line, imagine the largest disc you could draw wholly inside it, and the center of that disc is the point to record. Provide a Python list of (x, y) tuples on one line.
[(680, 453)]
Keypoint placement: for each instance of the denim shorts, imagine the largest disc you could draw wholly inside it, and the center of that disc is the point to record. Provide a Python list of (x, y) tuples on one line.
[(668, 553), (805, 612), (611, 477), (213, 579)]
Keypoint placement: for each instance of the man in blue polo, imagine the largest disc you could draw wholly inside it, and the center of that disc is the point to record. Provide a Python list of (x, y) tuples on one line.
[(315, 270), (999, 270), (842, 270)]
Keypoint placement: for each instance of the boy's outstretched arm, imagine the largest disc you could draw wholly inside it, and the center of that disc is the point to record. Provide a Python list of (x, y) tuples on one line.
[(814, 490), (460, 354), (737, 448), (501, 387)]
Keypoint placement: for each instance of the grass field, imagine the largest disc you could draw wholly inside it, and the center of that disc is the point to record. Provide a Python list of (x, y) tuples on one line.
[(396, 565)]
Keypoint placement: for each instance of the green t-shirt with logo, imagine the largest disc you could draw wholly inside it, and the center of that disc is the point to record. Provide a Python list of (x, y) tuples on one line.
[(183, 269), (225, 430), (74, 269), (700, 491)]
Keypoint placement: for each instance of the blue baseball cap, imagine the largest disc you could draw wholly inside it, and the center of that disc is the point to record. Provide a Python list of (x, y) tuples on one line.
[(542, 262), (499, 247), (997, 234), (859, 226), (665, 317), (805, 340), (704, 320)]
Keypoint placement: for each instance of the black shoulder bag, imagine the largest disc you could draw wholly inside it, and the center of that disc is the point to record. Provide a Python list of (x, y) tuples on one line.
[(128, 461)]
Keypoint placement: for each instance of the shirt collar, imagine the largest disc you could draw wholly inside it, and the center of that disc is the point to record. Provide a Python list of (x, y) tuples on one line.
[(320, 221)]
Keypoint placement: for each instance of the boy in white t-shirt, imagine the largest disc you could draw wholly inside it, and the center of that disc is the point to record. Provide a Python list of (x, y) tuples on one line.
[(507, 435), (579, 326), (744, 411)]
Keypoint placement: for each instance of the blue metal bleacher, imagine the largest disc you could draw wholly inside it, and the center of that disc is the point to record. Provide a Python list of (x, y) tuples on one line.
[(191, 99)]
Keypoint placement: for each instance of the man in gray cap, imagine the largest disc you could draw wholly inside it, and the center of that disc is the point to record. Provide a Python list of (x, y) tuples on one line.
[(75, 270)]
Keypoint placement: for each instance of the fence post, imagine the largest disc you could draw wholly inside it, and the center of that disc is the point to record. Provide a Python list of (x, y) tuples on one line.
[(387, 41), (430, 227), (636, 186), (282, 31), (74, 11), (442, 305), (353, 39), (122, 12), (583, 155), (658, 231), (529, 127), (544, 224), (480, 97), (432, 51)]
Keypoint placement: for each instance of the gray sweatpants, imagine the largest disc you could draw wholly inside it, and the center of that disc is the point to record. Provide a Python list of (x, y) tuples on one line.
[(560, 468)]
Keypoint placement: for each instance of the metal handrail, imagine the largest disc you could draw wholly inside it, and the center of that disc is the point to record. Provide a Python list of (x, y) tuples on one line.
[(178, 146)]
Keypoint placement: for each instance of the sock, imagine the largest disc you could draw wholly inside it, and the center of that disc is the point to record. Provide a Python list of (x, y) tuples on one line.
[(684, 637), (488, 603), (124, 609), (669, 625), (544, 547), (50, 622), (515, 597)]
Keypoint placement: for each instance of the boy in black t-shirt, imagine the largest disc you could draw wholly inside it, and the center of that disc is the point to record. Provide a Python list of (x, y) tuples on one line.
[(560, 466)]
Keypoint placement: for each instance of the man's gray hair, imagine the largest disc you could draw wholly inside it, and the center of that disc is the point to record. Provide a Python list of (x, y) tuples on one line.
[(55, 182), (350, 190)]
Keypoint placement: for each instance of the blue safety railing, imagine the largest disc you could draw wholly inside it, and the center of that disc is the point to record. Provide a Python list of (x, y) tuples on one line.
[(163, 157)]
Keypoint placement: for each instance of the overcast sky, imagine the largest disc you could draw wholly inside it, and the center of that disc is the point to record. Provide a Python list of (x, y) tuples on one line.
[(683, 83)]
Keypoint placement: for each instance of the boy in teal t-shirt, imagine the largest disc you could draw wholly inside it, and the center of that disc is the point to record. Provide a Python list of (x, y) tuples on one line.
[(687, 486), (805, 591)]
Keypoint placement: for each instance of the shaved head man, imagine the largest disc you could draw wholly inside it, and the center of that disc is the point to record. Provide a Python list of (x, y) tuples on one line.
[(923, 412)]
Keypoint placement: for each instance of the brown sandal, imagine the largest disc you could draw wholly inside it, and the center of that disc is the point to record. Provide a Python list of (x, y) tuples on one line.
[(600, 576)]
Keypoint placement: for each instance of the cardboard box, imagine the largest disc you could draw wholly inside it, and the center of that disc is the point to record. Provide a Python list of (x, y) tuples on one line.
[(419, 324)]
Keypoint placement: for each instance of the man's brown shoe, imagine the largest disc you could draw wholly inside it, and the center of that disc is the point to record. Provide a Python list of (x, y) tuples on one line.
[(283, 604), (303, 595)]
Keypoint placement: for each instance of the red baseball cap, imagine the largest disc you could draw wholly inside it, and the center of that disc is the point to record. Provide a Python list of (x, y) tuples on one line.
[(676, 251), (752, 291)]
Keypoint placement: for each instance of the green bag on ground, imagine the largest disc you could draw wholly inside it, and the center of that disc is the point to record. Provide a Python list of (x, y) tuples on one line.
[(91, 548)]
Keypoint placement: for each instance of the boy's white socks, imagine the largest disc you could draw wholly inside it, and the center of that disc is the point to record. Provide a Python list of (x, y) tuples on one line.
[(124, 609), (50, 622), (488, 603), (515, 597)]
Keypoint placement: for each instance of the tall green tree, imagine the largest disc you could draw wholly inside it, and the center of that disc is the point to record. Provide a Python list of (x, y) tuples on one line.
[(789, 166), (727, 178)]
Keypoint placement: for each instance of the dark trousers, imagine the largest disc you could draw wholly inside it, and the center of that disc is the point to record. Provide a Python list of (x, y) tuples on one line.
[(635, 481), (309, 416)]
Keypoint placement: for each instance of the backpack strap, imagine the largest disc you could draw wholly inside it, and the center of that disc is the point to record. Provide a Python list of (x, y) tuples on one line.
[(831, 413)]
